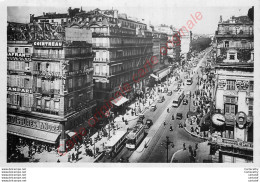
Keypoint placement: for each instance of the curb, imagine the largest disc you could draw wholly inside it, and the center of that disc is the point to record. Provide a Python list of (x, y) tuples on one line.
[(98, 157), (194, 134)]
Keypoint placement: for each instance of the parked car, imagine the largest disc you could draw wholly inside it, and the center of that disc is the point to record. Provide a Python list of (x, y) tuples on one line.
[(169, 93), (185, 102), (179, 116), (148, 123), (153, 107), (161, 99), (141, 118)]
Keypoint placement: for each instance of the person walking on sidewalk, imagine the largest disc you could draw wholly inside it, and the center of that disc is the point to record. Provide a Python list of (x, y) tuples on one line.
[(69, 157)]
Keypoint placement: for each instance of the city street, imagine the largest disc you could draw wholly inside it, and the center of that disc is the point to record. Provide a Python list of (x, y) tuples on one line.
[(156, 151)]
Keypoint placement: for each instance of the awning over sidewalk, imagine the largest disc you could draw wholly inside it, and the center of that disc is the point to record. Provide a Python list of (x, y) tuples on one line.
[(154, 76), (161, 74), (119, 101), (33, 134)]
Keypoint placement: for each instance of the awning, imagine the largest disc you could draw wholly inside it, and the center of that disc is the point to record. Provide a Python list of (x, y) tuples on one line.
[(163, 73), (33, 134), (119, 101), (156, 77)]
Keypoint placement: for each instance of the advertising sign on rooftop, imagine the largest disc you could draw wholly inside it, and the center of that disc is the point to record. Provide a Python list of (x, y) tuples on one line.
[(76, 34)]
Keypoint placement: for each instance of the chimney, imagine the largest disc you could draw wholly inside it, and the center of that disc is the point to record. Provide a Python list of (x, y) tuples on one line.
[(31, 18), (116, 14), (220, 19), (43, 13)]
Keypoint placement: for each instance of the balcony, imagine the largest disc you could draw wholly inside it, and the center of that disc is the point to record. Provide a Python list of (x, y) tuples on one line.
[(59, 56), (47, 111), (47, 92)]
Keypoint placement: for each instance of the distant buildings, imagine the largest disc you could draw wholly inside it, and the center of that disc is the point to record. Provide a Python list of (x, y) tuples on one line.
[(234, 98), (173, 43)]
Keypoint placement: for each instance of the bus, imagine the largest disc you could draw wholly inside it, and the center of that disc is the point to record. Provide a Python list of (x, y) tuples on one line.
[(177, 98), (115, 144), (135, 136), (189, 81)]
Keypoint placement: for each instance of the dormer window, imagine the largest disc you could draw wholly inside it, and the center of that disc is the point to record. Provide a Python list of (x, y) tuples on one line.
[(232, 56)]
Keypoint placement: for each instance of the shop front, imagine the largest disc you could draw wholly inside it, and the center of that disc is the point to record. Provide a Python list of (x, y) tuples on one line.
[(34, 129)]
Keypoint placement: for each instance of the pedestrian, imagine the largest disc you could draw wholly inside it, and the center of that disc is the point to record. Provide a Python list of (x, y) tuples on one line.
[(196, 146), (69, 157), (58, 161), (123, 119), (184, 148), (73, 157), (77, 156)]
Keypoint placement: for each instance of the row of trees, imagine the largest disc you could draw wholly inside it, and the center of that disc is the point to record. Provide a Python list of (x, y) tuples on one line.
[(200, 44)]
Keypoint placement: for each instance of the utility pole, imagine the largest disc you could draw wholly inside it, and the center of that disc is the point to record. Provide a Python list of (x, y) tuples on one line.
[(167, 143)]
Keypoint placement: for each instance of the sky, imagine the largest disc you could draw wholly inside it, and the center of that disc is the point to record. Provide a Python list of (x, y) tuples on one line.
[(175, 15)]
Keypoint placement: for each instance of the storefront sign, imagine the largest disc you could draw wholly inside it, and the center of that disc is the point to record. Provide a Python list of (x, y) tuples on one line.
[(48, 44), (22, 90), (14, 56), (34, 124), (242, 84), (241, 119)]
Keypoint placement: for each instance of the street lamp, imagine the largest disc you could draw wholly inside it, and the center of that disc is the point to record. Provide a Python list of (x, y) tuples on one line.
[(167, 143)]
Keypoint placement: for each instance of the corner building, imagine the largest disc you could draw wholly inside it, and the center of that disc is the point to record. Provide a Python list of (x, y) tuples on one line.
[(61, 71)]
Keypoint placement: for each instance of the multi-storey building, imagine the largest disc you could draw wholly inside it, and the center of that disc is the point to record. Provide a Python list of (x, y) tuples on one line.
[(235, 40), (234, 72), (122, 47), (50, 81), (173, 43), (160, 70)]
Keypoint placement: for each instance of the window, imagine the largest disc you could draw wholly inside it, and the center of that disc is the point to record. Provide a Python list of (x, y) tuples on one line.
[(26, 50), (38, 67), (80, 82), (70, 83), (26, 83), (231, 84), (251, 86), (38, 102), (250, 107), (47, 104), (226, 43), (70, 102), (56, 105), (232, 57), (229, 109)]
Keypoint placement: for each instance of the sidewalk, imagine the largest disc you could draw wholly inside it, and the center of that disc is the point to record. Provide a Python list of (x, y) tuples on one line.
[(202, 154)]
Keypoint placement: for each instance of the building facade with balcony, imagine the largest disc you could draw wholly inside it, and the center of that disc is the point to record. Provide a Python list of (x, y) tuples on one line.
[(122, 46), (235, 40), (234, 94), (56, 78), (173, 43)]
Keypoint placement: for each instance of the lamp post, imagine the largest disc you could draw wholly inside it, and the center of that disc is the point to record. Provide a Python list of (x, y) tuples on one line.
[(167, 143), (190, 101)]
